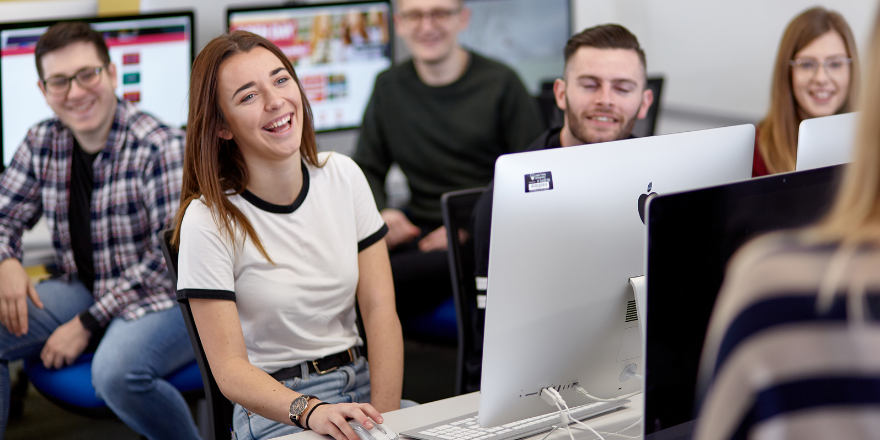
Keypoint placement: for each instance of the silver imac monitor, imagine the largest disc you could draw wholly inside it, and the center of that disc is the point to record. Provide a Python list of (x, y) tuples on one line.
[(826, 141), (567, 235)]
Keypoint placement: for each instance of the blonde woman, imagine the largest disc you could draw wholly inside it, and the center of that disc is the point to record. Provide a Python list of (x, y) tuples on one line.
[(793, 348), (816, 74)]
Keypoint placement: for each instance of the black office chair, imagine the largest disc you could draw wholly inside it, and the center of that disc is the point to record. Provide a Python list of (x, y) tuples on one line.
[(551, 115), (648, 126), (219, 407), (457, 208)]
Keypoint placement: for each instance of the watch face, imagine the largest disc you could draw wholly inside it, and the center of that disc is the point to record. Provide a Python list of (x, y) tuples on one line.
[(298, 405)]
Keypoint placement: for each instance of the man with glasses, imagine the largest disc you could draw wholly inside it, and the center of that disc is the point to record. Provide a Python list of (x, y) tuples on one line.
[(107, 178), (443, 117)]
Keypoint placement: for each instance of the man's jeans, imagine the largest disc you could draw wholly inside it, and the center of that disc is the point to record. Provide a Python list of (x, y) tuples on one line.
[(127, 368)]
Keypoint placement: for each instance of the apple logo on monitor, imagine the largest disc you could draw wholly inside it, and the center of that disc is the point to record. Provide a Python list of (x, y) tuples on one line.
[(643, 200)]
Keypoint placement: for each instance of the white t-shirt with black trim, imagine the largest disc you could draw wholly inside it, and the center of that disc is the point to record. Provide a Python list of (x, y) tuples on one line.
[(302, 307)]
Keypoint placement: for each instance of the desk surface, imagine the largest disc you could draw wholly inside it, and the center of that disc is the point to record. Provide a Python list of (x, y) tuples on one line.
[(414, 417)]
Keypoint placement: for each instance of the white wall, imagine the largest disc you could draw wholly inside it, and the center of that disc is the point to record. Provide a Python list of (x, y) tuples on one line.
[(210, 14), (46, 10), (717, 56)]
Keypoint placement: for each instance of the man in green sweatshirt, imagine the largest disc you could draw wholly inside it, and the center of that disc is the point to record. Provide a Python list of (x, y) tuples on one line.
[(443, 117)]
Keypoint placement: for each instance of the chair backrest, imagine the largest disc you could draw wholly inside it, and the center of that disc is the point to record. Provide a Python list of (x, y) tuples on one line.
[(648, 126), (457, 208), (551, 115), (219, 407)]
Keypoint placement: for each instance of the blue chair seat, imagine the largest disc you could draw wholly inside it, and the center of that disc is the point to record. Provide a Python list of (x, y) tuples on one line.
[(72, 385), (440, 323)]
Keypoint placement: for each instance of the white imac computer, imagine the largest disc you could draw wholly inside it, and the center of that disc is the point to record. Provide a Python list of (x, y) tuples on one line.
[(153, 55), (826, 141), (337, 49), (567, 235)]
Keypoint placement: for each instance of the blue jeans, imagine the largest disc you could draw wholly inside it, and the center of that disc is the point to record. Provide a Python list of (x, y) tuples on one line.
[(127, 368), (350, 383)]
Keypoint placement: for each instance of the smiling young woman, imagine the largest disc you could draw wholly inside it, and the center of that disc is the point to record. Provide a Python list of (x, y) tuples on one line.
[(816, 74), (276, 242)]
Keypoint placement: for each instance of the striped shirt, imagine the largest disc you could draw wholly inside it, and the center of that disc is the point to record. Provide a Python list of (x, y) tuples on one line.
[(136, 192), (775, 365)]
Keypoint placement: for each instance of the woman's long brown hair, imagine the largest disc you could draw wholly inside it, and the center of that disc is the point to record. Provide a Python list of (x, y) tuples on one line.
[(214, 167), (778, 132)]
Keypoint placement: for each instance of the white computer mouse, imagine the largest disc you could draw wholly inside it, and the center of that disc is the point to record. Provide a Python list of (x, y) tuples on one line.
[(379, 431)]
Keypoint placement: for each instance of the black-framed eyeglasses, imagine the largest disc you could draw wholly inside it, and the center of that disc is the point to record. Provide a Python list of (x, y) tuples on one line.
[(87, 77), (438, 16), (834, 66)]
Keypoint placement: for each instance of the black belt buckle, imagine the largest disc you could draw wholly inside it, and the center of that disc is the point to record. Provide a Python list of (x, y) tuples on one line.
[(351, 355)]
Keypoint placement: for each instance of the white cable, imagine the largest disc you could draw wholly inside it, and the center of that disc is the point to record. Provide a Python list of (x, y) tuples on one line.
[(551, 396), (551, 432), (566, 417), (630, 426), (616, 433), (606, 433), (599, 399), (632, 372), (583, 424)]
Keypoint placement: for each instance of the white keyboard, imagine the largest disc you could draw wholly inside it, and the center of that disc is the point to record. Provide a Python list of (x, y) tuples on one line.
[(466, 428)]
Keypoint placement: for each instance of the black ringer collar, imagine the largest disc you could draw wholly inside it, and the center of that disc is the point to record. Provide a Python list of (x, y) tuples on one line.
[(281, 209)]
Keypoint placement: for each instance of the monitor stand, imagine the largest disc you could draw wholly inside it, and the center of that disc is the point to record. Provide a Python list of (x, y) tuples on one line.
[(640, 292)]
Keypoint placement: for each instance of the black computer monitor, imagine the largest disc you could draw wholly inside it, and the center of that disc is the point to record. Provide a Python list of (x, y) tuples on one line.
[(527, 35), (337, 49), (153, 55), (691, 237)]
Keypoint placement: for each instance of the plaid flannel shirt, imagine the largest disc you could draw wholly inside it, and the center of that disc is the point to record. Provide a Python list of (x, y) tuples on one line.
[(136, 192)]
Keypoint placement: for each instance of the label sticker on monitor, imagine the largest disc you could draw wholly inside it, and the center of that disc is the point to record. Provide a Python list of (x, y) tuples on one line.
[(539, 181)]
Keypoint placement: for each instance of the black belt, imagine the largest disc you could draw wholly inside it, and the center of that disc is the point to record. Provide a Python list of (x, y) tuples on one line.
[(320, 366)]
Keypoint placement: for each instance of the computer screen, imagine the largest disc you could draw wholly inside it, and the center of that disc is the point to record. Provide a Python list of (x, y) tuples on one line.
[(566, 237), (826, 141), (152, 53), (337, 50), (527, 35), (691, 237)]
